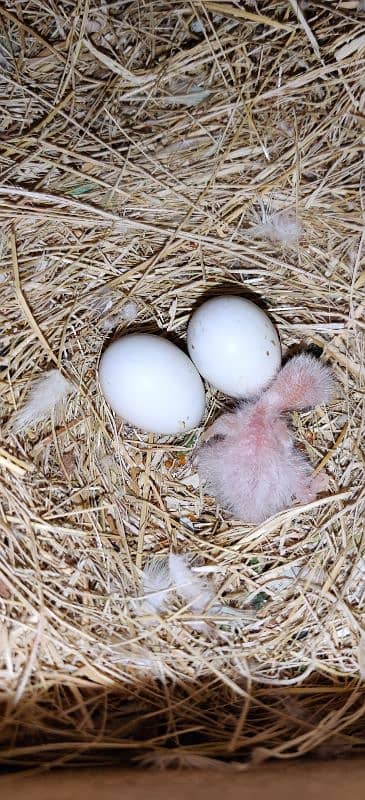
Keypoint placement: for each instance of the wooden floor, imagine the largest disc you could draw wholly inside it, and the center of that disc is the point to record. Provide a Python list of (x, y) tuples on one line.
[(337, 780)]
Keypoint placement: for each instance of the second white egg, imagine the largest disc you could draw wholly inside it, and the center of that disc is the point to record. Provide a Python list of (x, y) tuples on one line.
[(234, 345), (152, 384)]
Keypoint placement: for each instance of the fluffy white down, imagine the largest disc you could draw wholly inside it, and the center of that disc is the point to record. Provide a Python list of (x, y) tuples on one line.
[(249, 462), (163, 576), (46, 395), (189, 586), (129, 312), (156, 582), (283, 226)]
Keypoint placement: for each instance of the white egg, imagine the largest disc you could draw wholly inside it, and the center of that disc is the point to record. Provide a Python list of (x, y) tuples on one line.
[(234, 345), (152, 384)]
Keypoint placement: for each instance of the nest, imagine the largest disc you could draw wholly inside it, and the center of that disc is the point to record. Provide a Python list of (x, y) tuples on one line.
[(148, 150)]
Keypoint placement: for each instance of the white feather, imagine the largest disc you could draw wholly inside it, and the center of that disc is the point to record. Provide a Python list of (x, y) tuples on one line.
[(46, 396), (112, 315), (129, 312), (282, 226), (162, 577), (156, 583), (190, 587)]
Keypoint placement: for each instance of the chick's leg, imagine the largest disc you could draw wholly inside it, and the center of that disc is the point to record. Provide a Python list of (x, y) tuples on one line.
[(308, 491)]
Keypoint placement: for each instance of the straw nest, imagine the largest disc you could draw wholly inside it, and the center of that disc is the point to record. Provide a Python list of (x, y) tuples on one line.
[(148, 149)]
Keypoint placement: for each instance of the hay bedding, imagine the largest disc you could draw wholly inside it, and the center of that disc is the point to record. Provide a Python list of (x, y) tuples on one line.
[(145, 148)]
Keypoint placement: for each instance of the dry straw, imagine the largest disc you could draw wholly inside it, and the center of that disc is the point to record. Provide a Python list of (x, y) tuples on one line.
[(147, 151)]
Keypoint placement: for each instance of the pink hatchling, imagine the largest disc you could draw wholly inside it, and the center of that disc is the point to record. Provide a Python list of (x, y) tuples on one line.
[(249, 462)]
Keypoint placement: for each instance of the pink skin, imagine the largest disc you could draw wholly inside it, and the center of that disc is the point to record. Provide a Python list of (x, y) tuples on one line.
[(249, 461)]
